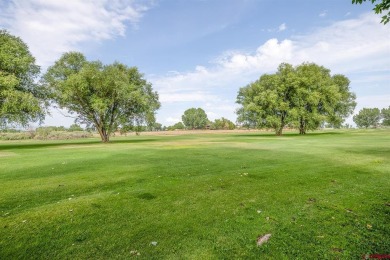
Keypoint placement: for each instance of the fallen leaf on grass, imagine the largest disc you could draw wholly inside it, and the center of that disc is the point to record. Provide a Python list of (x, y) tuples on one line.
[(350, 211), (135, 253), (262, 239), (336, 249), (369, 226)]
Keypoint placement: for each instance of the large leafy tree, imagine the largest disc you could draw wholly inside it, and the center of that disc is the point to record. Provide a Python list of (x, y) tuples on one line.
[(303, 97), (320, 97), (266, 102), (367, 117), (385, 113), (21, 98), (106, 97), (382, 7), (195, 118)]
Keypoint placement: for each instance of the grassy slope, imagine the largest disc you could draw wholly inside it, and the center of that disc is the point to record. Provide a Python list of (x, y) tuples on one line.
[(321, 195)]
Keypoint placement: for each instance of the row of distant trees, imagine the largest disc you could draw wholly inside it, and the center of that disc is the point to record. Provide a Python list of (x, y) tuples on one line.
[(74, 131), (196, 118), (372, 117)]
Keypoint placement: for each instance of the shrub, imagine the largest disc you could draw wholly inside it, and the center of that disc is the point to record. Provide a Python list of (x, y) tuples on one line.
[(17, 136), (61, 135)]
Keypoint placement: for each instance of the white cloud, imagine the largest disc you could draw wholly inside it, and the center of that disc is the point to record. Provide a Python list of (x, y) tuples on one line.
[(355, 46), (184, 97), (211, 115), (350, 45), (373, 78), (266, 57), (173, 120), (282, 27), (51, 28), (323, 13), (379, 101)]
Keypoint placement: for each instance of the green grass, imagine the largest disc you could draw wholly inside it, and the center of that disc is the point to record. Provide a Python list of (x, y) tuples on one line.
[(321, 196)]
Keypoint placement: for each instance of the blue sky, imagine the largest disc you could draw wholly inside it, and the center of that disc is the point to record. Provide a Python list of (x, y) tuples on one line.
[(198, 53)]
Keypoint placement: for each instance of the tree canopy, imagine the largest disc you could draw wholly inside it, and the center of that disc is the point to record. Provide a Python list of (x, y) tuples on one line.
[(367, 117), (21, 98), (222, 123), (177, 126), (385, 113), (383, 6), (106, 97), (75, 127), (195, 118), (303, 97)]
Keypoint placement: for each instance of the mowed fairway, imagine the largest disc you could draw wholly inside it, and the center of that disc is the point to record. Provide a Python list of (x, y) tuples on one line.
[(200, 196)]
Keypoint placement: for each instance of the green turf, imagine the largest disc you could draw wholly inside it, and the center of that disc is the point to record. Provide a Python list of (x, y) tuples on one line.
[(321, 196)]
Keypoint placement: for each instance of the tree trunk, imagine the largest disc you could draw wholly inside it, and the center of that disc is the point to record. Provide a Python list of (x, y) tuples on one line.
[(302, 128), (279, 131), (105, 138), (104, 135)]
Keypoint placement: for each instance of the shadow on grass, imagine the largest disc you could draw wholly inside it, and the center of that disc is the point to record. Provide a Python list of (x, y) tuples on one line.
[(47, 144), (146, 196), (377, 151)]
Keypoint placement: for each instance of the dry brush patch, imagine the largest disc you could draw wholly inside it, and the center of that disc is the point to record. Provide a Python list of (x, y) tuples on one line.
[(7, 154)]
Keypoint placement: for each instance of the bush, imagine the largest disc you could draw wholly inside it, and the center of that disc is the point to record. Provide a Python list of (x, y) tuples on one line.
[(222, 123), (17, 136), (178, 126), (44, 133), (75, 128), (61, 135)]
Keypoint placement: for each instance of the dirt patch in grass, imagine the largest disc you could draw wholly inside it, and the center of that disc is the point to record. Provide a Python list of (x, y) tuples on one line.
[(6, 154), (80, 146)]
